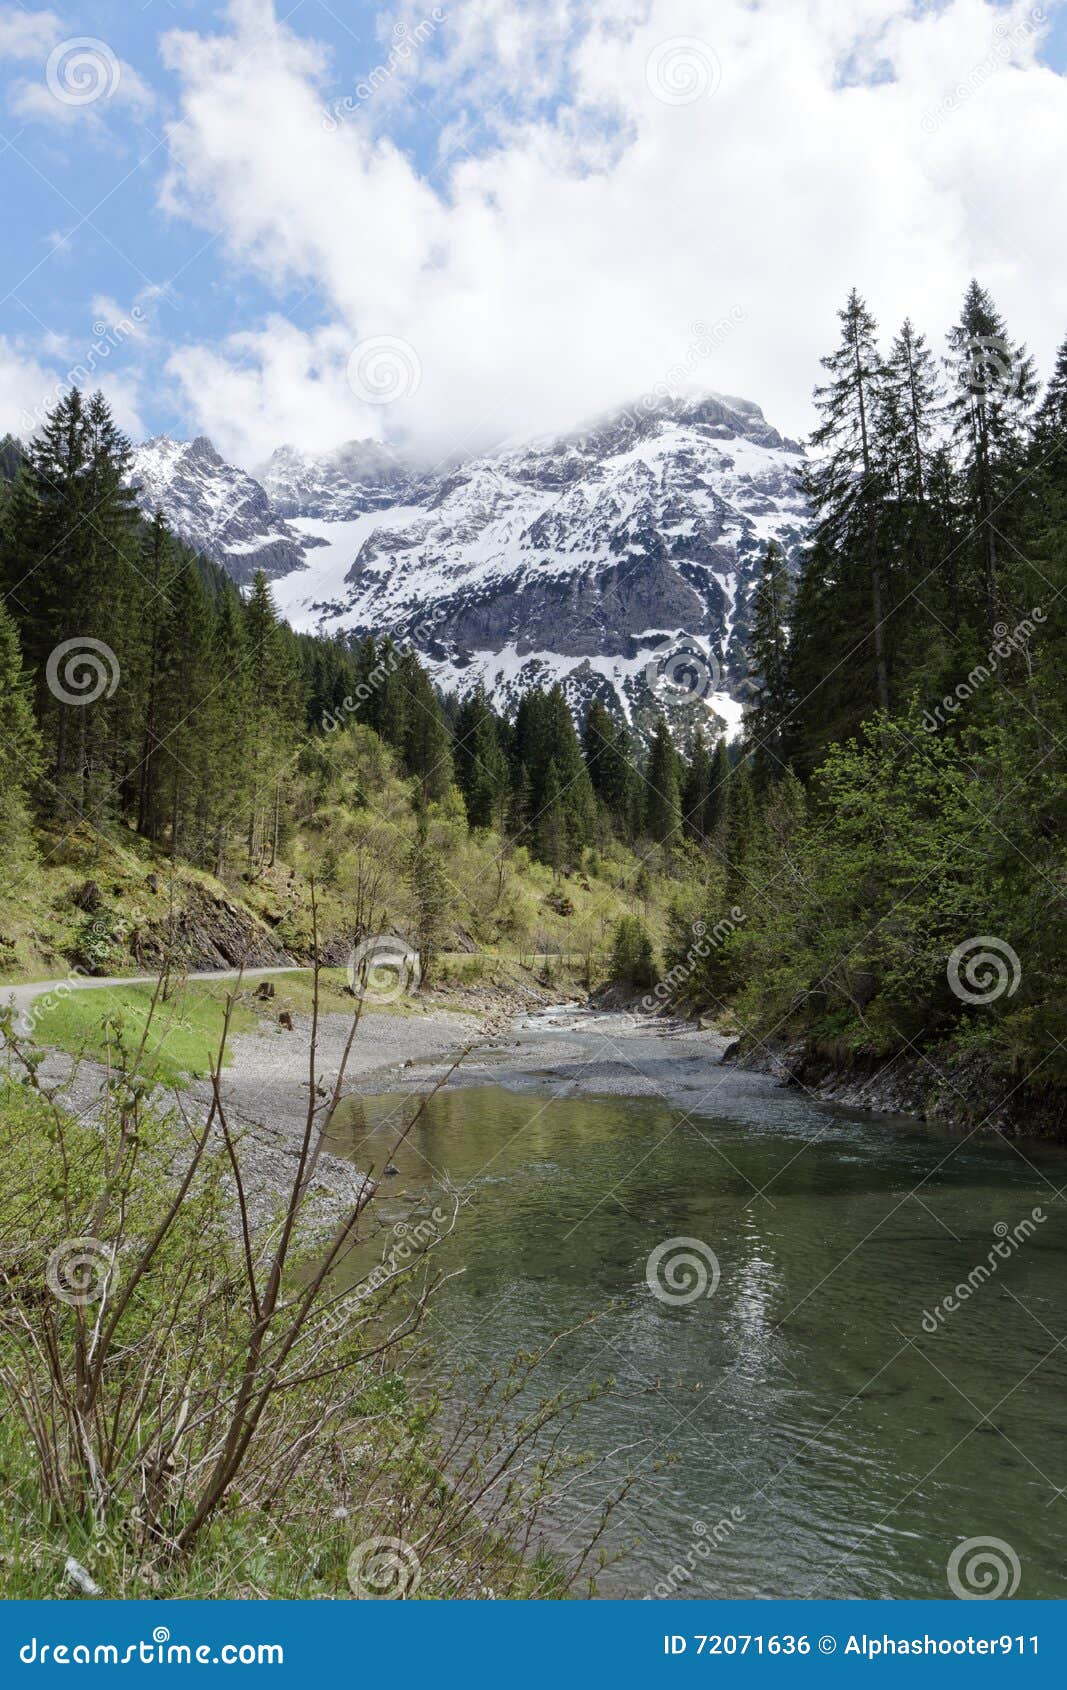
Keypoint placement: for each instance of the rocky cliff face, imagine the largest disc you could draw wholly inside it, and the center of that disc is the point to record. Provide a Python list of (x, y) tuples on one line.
[(357, 477), (215, 507), (618, 559)]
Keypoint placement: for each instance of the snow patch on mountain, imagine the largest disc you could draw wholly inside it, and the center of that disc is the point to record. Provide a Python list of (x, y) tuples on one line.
[(214, 507), (618, 559)]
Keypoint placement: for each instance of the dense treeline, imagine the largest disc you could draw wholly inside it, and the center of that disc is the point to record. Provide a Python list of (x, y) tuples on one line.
[(139, 687), (896, 804), (887, 865)]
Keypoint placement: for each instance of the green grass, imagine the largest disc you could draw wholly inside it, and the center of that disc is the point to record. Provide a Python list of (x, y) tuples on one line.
[(183, 1038)]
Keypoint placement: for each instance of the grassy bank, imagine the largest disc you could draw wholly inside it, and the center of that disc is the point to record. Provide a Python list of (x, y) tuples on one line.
[(197, 1407)]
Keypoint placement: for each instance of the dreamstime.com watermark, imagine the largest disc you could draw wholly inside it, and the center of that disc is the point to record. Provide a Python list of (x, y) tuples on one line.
[(107, 338), (705, 341), (406, 41), (158, 1651), (383, 669), (82, 670), (1009, 642), (1007, 39), (682, 70), (384, 968), (81, 1271), (683, 674), (105, 930), (1008, 1241), (412, 1241), (81, 70), (983, 1569), (681, 1271), (707, 1541), (383, 1569), (702, 946), (982, 969)]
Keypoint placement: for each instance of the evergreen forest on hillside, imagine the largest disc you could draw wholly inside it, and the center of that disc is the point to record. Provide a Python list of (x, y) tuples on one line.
[(897, 793)]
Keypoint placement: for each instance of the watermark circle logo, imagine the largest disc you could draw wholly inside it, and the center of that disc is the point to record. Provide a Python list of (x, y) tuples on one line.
[(987, 364), (982, 1569), (983, 969), (682, 1270), (383, 1569), (384, 369), (80, 70), (80, 1271), (685, 674), (383, 969), (80, 671), (682, 70)]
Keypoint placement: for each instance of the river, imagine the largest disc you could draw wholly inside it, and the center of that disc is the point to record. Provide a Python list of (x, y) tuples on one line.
[(831, 1426)]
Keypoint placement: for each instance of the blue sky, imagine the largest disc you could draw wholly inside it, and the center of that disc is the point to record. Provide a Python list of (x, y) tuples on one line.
[(522, 198)]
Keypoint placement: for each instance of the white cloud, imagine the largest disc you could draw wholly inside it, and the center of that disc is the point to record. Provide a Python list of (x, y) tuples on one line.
[(23, 382), (270, 387), (27, 35), (78, 76), (30, 389), (561, 270)]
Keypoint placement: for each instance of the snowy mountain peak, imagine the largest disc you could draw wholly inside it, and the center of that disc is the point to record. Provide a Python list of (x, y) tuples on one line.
[(214, 507), (358, 476), (612, 558)]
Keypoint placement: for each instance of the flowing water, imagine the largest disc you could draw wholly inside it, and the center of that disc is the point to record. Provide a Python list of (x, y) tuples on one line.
[(830, 1428)]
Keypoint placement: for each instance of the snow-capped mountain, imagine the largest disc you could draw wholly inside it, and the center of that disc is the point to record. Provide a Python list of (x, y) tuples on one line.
[(618, 559), (215, 507), (359, 476)]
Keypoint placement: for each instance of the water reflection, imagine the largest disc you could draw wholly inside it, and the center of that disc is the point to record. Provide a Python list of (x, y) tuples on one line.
[(805, 1393)]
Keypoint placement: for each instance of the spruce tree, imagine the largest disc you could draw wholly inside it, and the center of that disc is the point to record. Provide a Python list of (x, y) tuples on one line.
[(663, 803), (605, 745), (1050, 421), (550, 824), (992, 390), (768, 645), (158, 572), (225, 726), (20, 748), (184, 663), (696, 787), (845, 480), (425, 741), (481, 766), (268, 673)]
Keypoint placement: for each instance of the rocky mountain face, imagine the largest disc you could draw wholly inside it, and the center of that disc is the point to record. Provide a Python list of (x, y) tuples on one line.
[(618, 559), (215, 507), (359, 476)]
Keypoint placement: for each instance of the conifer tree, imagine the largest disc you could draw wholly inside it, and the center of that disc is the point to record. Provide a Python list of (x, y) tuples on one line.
[(225, 726), (607, 758), (20, 747), (718, 790), (768, 662), (425, 744), (158, 571), (992, 391), (268, 674), (663, 804), (550, 826), (845, 480), (481, 767), (184, 661), (429, 887), (696, 788), (740, 827), (1050, 421)]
